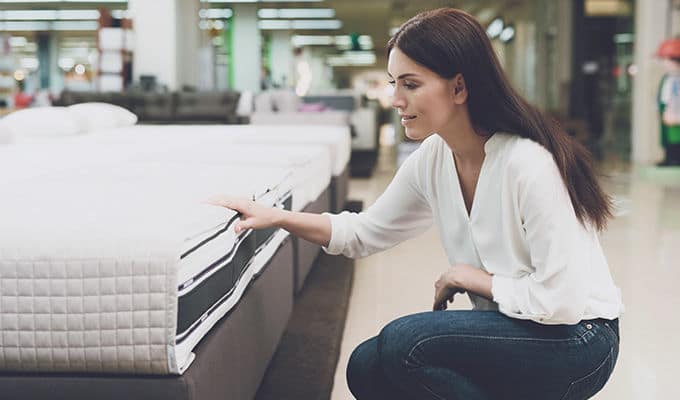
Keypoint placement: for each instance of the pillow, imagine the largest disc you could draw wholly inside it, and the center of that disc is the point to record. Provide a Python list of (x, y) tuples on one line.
[(97, 116), (39, 123)]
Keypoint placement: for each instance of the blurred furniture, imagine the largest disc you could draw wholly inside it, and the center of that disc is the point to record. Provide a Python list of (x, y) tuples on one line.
[(363, 123), (166, 108), (332, 108)]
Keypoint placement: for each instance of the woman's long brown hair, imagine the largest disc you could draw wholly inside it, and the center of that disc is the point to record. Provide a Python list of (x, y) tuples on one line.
[(449, 42)]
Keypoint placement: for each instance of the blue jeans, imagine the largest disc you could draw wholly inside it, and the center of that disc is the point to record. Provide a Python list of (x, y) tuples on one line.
[(473, 355)]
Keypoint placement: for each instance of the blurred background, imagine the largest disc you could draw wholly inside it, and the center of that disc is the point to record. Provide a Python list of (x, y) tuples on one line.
[(587, 62), (597, 66)]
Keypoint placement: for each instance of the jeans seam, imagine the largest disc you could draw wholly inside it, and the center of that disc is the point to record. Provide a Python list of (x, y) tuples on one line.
[(571, 385), (425, 340), (436, 396), (611, 330)]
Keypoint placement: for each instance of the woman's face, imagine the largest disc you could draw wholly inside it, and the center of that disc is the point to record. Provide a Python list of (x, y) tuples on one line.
[(426, 102)]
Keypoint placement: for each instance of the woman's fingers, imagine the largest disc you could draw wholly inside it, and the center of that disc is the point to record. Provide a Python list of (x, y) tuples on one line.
[(236, 204), (440, 298)]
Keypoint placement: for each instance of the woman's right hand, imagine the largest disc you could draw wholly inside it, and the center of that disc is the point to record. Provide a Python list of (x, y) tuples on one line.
[(253, 215)]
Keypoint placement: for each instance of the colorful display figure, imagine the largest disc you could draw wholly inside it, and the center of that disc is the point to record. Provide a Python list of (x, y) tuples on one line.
[(669, 101)]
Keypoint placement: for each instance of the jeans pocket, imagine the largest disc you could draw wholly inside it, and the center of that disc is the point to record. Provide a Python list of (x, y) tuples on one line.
[(587, 386)]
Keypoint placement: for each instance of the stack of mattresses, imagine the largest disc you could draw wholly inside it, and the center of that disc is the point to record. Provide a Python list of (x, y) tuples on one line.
[(114, 274), (309, 150)]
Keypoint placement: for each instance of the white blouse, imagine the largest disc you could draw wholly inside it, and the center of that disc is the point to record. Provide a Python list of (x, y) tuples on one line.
[(522, 228)]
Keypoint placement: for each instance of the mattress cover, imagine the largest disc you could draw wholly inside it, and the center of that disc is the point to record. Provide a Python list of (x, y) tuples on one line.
[(309, 164), (336, 139), (96, 265)]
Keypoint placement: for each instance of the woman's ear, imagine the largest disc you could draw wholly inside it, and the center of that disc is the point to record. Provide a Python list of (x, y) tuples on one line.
[(460, 92)]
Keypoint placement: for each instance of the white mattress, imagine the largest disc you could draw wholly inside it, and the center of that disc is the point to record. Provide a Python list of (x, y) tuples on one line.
[(336, 138), (92, 266), (310, 164)]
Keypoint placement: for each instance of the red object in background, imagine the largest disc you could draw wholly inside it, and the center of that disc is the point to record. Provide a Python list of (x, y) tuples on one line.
[(669, 48), (22, 100)]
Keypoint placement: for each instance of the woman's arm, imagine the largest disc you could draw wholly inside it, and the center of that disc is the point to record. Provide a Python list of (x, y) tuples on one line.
[(459, 279), (315, 228), (400, 213), (559, 245)]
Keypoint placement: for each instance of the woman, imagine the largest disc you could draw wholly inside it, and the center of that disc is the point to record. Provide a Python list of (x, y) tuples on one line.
[(518, 208)]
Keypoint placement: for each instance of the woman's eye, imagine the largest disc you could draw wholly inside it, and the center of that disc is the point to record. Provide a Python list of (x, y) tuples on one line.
[(409, 85), (391, 82)]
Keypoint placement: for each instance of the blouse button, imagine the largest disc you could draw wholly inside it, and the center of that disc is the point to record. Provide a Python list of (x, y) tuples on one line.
[(589, 326)]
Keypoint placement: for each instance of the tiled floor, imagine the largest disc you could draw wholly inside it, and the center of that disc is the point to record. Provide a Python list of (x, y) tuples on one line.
[(643, 248)]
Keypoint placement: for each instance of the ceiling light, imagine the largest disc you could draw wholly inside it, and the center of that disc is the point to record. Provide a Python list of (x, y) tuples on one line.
[(66, 63), (274, 24), (317, 24), (296, 13), (312, 40), (48, 15), (216, 13), (30, 63), (22, 26), (352, 58), (62, 1), (495, 28), (120, 14), (19, 75), (17, 41), (507, 34), (624, 38), (75, 25)]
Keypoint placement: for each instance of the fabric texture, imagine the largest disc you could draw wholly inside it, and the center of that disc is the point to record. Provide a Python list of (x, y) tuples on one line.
[(522, 229), (483, 355)]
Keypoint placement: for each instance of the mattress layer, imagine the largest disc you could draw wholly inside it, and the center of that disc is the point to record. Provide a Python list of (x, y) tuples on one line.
[(90, 263)]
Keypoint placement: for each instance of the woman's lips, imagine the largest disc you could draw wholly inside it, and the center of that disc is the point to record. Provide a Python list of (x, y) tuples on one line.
[(405, 119)]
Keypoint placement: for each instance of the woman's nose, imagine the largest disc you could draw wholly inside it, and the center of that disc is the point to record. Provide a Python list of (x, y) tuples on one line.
[(398, 101)]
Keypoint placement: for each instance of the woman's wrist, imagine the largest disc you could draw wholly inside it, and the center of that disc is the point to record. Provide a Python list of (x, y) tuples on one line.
[(278, 217), (455, 279)]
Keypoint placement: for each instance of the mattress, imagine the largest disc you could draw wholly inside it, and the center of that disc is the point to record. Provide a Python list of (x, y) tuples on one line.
[(310, 164), (336, 139), (123, 269), (230, 361)]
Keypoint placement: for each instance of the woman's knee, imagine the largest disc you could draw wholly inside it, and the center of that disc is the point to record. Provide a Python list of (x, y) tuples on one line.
[(396, 343), (362, 368)]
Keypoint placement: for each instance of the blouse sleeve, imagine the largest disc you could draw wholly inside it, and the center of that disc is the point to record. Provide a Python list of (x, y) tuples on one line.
[(556, 289), (400, 213)]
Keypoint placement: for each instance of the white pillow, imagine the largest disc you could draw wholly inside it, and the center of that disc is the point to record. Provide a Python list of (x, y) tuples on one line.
[(39, 123), (97, 116)]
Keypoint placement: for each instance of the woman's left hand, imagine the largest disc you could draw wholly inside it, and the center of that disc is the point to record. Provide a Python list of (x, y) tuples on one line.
[(446, 287), (461, 278)]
